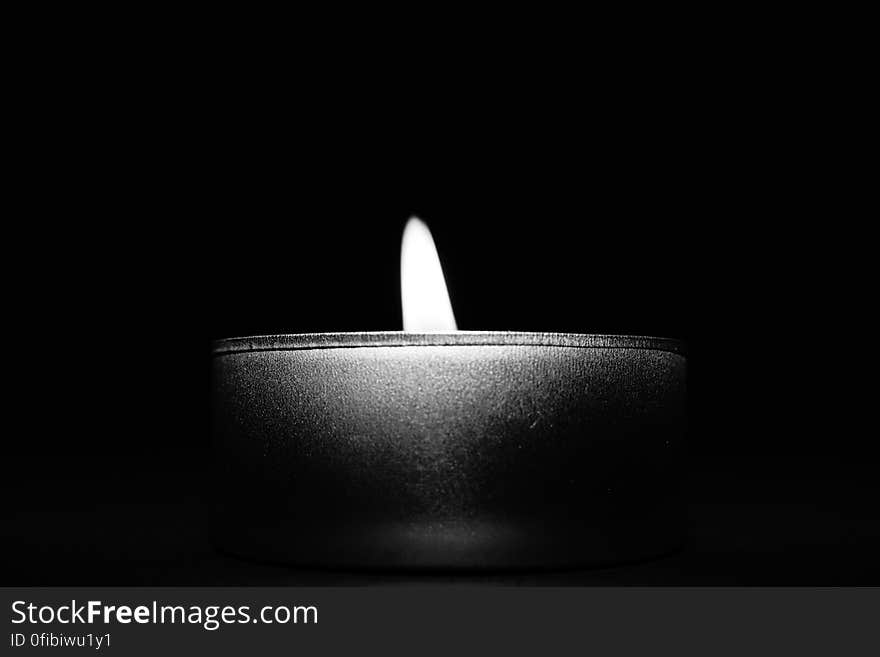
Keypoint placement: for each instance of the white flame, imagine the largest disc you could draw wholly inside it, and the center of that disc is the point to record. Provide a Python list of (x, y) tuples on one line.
[(425, 300)]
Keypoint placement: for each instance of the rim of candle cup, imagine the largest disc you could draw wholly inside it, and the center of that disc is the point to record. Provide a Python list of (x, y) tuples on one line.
[(305, 341)]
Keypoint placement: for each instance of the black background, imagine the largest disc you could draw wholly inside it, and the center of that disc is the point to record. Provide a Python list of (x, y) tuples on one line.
[(655, 202)]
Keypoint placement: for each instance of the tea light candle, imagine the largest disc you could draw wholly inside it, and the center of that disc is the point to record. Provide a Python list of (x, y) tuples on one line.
[(438, 448)]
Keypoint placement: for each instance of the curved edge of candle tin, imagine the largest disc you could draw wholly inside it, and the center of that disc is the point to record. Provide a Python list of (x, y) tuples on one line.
[(300, 341)]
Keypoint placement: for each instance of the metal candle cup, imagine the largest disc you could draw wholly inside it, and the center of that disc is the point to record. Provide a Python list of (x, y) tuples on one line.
[(452, 450)]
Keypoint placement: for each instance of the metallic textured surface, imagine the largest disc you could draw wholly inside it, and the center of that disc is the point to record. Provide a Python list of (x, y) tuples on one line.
[(401, 339), (460, 450)]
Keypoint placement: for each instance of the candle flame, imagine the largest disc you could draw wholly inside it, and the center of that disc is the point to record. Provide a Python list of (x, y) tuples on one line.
[(425, 300)]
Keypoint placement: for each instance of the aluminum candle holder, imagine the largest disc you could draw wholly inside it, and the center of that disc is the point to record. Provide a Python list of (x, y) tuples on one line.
[(449, 450)]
